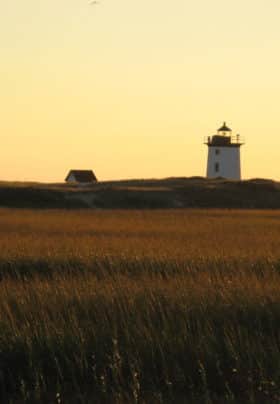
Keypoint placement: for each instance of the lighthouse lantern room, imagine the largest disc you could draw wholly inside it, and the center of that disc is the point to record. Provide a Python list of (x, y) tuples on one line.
[(224, 154)]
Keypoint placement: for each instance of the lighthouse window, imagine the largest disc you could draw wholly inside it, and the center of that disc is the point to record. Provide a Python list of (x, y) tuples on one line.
[(217, 151), (217, 167)]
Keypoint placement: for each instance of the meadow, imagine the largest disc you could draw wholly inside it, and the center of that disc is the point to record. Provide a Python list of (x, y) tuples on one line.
[(131, 306)]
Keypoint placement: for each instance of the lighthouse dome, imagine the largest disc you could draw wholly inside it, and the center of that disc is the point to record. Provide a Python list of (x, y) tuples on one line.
[(224, 128)]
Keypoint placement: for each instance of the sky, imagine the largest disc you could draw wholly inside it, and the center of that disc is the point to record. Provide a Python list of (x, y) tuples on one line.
[(130, 88)]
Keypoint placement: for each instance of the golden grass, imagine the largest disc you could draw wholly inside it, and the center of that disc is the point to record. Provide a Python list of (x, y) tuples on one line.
[(174, 234), (140, 306)]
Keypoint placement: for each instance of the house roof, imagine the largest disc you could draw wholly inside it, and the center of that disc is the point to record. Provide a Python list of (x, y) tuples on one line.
[(82, 175)]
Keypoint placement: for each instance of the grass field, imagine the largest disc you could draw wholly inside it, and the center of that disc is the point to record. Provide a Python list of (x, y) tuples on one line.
[(175, 306)]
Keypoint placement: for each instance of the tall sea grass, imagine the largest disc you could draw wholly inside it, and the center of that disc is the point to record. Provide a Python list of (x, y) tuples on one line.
[(150, 307)]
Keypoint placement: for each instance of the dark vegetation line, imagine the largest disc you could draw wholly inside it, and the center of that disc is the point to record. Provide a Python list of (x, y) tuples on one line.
[(145, 194)]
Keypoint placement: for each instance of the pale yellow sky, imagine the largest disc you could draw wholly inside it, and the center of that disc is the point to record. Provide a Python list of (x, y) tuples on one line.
[(130, 88)]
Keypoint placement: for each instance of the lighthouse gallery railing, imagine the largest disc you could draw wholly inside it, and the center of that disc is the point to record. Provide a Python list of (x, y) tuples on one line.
[(224, 140)]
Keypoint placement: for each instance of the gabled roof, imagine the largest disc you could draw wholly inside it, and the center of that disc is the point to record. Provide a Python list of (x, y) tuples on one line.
[(224, 128), (82, 175)]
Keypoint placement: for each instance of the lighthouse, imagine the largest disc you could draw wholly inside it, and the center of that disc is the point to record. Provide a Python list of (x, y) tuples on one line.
[(224, 154)]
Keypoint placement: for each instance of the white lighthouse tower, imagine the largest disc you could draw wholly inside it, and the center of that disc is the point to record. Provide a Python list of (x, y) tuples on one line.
[(224, 154)]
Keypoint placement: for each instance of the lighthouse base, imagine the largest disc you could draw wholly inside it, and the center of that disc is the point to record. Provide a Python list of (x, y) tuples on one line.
[(224, 162)]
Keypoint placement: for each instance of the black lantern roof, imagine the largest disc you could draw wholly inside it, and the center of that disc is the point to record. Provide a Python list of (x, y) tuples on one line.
[(224, 128)]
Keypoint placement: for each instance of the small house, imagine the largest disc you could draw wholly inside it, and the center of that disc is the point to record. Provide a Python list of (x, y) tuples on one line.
[(81, 177)]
